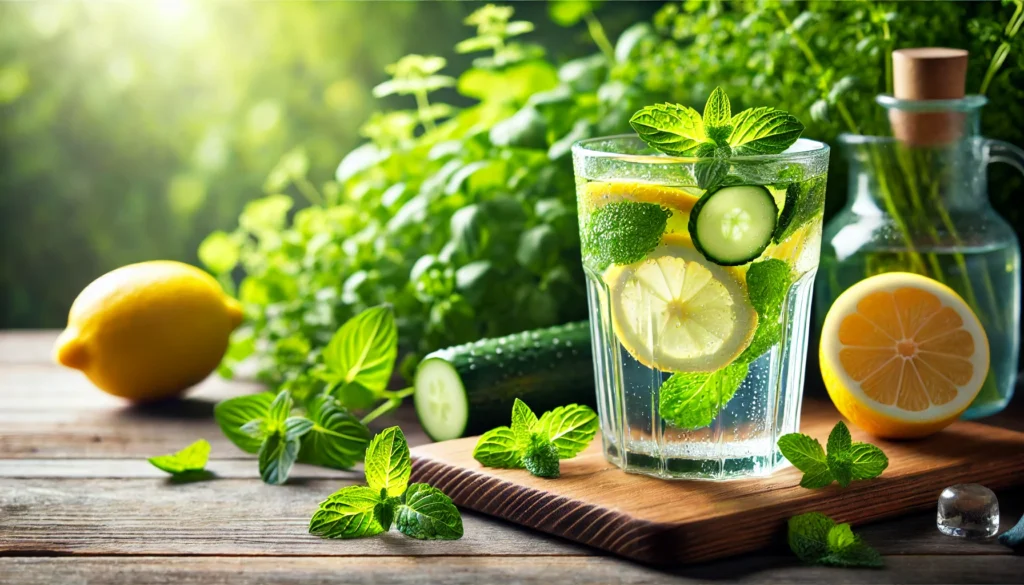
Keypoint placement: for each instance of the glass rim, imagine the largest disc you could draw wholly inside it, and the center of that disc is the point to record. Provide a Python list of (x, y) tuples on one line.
[(967, 103), (584, 148)]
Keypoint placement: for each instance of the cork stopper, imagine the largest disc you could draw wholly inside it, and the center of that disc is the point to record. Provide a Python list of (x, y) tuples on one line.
[(922, 74)]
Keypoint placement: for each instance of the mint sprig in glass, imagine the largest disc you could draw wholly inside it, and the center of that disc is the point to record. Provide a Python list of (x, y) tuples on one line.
[(700, 238)]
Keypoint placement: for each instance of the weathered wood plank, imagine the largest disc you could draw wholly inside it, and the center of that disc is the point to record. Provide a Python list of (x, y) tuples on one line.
[(141, 469), (478, 570), (57, 413), (242, 517), (230, 516), (27, 347)]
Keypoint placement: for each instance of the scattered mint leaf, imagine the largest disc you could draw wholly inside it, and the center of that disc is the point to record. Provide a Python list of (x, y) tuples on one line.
[(418, 510), (497, 448), (235, 413), (385, 510), (817, 540), (388, 464), (523, 420), (808, 536), (718, 115), (868, 461), (428, 514), (296, 427), (337, 439), (692, 400), (188, 461), (561, 433), (280, 408), (347, 513), (623, 232), (571, 428), (763, 131), (846, 461), (671, 128), (541, 456), (362, 355), (276, 457), (805, 202)]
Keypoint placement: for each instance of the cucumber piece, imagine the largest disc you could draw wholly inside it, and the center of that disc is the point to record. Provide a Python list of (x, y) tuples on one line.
[(733, 225), (469, 389)]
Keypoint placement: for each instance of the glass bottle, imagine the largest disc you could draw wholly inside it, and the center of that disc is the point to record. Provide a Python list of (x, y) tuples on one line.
[(925, 209)]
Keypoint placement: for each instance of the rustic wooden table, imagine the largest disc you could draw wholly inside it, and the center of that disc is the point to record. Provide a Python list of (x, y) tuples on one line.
[(80, 504)]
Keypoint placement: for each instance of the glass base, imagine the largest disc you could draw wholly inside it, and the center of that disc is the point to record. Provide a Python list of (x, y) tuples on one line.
[(643, 459)]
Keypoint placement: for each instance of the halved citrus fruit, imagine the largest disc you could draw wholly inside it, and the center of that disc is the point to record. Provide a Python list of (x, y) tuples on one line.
[(676, 311), (902, 355), (678, 200)]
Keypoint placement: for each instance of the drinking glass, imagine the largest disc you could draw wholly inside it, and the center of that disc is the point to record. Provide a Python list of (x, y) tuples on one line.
[(699, 327)]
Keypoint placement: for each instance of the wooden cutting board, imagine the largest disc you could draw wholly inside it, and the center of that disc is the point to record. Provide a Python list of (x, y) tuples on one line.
[(677, 522)]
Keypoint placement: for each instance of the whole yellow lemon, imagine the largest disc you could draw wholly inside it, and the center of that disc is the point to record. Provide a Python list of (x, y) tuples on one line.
[(148, 331)]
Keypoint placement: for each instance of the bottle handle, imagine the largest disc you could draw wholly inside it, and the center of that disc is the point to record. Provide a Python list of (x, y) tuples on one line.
[(998, 151)]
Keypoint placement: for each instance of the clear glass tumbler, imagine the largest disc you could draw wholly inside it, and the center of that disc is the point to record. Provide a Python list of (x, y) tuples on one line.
[(699, 301)]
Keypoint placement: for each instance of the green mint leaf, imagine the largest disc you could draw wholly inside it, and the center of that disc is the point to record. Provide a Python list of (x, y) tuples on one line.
[(840, 466), (719, 135), (805, 202), (802, 451), (497, 448), (347, 513), (623, 232), (388, 465), (671, 128), (768, 282), (296, 427), (692, 400), (717, 111), (763, 131), (385, 510), (847, 550), (428, 514), (541, 457), (523, 420), (867, 461), (189, 460), (839, 439), (817, 476), (571, 428), (337, 439), (276, 457), (257, 429), (711, 173), (808, 536), (363, 351), (280, 408), (234, 413), (768, 334)]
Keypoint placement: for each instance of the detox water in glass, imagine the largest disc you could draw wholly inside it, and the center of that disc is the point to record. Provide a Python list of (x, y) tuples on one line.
[(699, 327)]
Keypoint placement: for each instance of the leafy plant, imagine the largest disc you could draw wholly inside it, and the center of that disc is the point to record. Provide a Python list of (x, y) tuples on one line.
[(538, 444), (845, 462), (185, 465), (417, 510), (817, 540)]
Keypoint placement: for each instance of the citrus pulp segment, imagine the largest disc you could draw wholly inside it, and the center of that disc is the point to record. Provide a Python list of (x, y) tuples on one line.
[(902, 355), (676, 311)]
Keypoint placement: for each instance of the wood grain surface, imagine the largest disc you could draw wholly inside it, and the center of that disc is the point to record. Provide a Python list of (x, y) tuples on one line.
[(80, 505), (657, 521)]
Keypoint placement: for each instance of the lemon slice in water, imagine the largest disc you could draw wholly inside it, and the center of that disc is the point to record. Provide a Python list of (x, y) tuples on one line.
[(675, 311)]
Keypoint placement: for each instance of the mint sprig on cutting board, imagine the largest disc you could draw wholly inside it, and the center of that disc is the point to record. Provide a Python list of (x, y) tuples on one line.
[(817, 540), (845, 461), (538, 444)]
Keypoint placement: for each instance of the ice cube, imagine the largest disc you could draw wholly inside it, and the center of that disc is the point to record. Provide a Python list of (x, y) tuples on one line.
[(968, 510)]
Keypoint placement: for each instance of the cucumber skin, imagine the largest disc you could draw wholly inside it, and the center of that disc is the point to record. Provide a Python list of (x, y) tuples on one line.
[(541, 379), (695, 238)]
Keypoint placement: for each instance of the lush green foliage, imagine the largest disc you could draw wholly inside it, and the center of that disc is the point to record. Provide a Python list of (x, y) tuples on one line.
[(538, 444), (417, 510), (464, 219)]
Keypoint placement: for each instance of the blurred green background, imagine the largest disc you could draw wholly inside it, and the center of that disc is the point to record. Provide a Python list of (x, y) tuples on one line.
[(131, 131)]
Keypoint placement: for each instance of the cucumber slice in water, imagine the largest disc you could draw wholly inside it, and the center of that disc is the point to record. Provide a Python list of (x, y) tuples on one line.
[(733, 225)]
